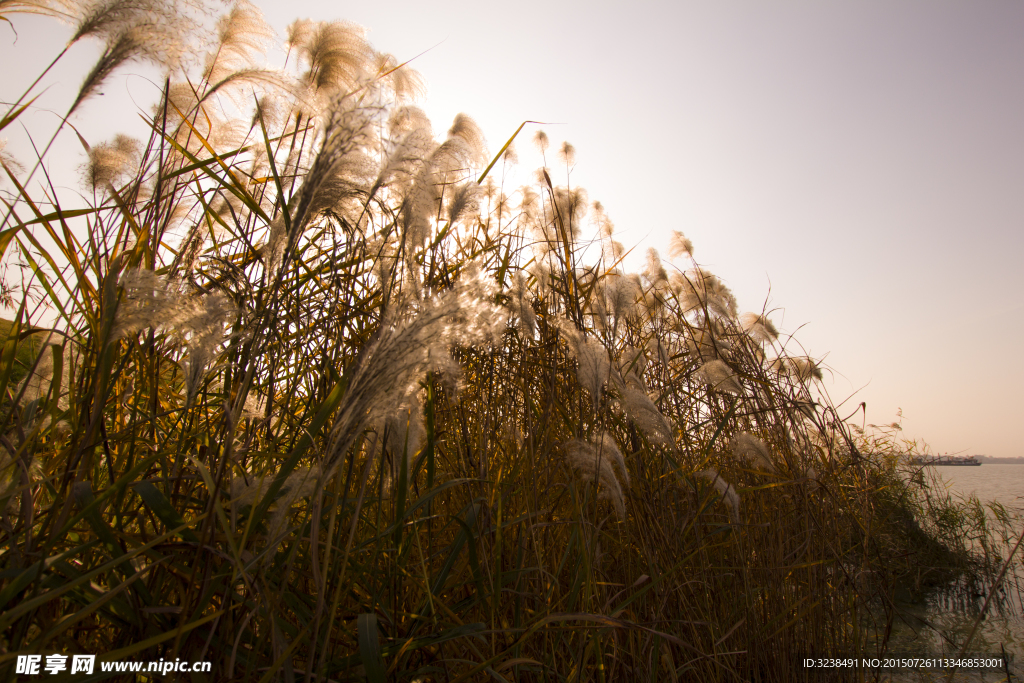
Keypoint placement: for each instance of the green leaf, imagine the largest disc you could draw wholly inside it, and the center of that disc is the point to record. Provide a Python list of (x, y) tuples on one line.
[(9, 352), (11, 116), (369, 648), (502, 150), (56, 215), (163, 509)]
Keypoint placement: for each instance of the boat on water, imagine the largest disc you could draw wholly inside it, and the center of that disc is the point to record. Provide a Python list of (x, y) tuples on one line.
[(952, 460)]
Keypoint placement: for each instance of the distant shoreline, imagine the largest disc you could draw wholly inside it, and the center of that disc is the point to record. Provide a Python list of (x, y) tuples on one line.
[(983, 459)]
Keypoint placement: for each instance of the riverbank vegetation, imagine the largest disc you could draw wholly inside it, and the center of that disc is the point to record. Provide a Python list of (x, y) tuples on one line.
[(324, 399)]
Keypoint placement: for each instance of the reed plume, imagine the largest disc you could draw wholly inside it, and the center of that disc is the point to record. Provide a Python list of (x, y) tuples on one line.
[(301, 483), (7, 160), (540, 141), (746, 446), (336, 54), (65, 10), (405, 428), (802, 368), (679, 245), (242, 35), (403, 82), (701, 292), (417, 340), (521, 306), (349, 413), (464, 147), (594, 367), (728, 494), (640, 409), (720, 376), (111, 161), (594, 462), (155, 31), (567, 154), (655, 271), (759, 328), (195, 321)]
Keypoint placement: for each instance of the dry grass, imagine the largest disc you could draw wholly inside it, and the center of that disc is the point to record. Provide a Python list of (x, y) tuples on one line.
[(326, 408)]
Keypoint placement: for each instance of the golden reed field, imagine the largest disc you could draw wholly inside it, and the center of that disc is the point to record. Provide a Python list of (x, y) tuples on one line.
[(298, 386)]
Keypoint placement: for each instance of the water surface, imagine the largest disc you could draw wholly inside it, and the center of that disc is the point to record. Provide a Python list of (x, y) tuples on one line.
[(1003, 483), (941, 620)]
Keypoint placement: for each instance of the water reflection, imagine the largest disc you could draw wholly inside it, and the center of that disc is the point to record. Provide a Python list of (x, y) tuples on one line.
[(940, 623)]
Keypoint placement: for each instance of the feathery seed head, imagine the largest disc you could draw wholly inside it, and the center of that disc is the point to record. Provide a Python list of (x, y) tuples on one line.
[(594, 367), (195, 365), (594, 463), (463, 149), (242, 34), (540, 141), (618, 251), (701, 292), (271, 107), (511, 157), (803, 368), (720, 376), (659, 350), (679, 244), (806, 369), (402, 80), (571, 204), (541, 272), (521, 305), (109, 18), (654, 272), (465, 131), (464, 200), (812, 479), (417, 339), (567, 154), (606, 447), (702, 344), (619, 292), (639, 408), (64, 10), (195, 321), (6, 159), (758, 327), (254, 407), (299, 32), (605, 227), (336, 53), (277, 239), (730, 498), (529, 205), (632, 363), (746, 446), (180, 97), (156, 41), (406, 430), (109, 161), (408, 119)]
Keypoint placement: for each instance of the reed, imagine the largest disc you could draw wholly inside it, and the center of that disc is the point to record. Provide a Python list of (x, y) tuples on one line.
[(320, 405)]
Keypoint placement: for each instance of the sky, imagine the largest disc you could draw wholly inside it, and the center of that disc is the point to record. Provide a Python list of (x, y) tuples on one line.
[(856, 168)]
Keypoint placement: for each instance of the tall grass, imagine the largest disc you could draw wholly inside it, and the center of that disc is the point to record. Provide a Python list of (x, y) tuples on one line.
[(324, 403)]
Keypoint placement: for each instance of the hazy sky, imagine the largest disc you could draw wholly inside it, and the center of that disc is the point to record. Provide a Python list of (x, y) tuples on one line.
[(859, 165)]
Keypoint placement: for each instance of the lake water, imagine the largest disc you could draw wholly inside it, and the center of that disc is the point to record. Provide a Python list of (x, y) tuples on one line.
[(1004, 483), (933, 626)]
